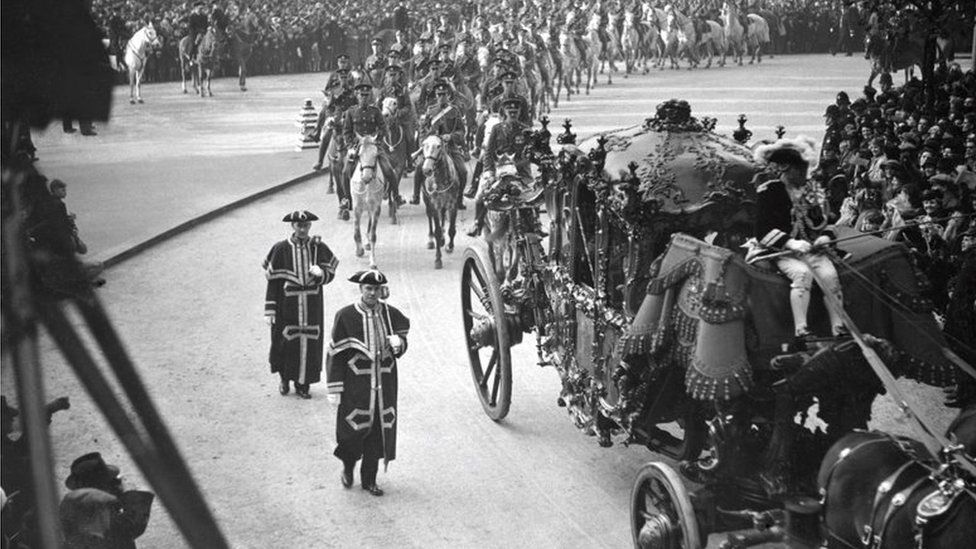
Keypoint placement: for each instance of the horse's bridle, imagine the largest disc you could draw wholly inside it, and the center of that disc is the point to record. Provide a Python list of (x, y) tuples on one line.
[(435, 159)]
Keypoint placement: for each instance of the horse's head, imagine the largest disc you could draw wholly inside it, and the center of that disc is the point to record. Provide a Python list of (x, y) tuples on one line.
[(389, 107), (368, 154), (505, 166), (432, 147)]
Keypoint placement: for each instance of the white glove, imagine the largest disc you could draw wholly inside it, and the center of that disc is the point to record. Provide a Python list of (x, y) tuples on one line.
[(799, 246), (822, 240), (396, 343), (269, 320), (316, 271)]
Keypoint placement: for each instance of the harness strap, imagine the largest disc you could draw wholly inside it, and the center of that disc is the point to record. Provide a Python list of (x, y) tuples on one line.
[(872, 535)]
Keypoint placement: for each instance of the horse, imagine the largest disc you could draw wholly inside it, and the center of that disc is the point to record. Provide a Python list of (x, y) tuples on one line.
[(572, 62), (241, 47), (876, 487), (713, 43), (683, 38), (136, 52), (757, 35), (367, 188), (335, 153), (592, 57), (885, 57), (441, 189), (187, 65), (207, 59), (734, 33), (630, 43), (396, 143)]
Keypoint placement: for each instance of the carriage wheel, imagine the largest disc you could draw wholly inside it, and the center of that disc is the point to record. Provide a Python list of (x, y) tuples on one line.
[(661, 514), (486, 333)]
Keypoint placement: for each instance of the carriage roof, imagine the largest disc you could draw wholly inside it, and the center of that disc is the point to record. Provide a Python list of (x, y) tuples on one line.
[(672, 164)]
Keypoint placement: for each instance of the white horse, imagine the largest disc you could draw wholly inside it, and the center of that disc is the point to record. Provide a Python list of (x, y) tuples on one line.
[(367, 188), (572, 64), (713, 43), (136, 52), (734, 33)]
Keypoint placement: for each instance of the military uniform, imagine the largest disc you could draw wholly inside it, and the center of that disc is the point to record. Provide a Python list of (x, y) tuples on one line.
[(447, 123), (496, 105), (368, 120), (507, 138), (406, 115)]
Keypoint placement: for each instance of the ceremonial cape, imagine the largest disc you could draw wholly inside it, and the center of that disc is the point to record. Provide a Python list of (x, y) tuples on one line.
[(294, 300), (359, 361)]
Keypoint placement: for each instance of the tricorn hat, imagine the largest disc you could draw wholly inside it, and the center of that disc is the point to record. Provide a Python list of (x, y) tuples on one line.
[(300, 215), (800, 151), (90, 470), (371, 276)]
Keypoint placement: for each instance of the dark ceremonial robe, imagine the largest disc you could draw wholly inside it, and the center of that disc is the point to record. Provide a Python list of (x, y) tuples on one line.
[(363, 369), (294, 300)]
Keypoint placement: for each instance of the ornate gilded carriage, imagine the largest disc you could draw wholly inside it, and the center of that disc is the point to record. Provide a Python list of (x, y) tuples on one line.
[(638, 294)]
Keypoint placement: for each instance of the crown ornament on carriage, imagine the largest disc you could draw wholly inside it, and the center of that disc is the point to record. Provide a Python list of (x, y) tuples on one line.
[(674, 115)]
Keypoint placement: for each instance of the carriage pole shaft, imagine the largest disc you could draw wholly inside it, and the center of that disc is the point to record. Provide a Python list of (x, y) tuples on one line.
[(931, 436)]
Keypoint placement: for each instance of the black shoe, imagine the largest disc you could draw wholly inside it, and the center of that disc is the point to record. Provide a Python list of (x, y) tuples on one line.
[(317, 167), (88, 132), (283, 388), (415, 200), (346, 479), (304, 394), (400, 201), (69, 130), (373, 489)]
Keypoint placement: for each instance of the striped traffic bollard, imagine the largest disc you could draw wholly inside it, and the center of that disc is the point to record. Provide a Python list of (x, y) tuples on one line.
[(307, 120)]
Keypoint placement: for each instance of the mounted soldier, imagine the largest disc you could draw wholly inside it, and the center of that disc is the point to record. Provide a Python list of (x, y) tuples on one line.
[(444, 120), (393, 86), (361, 120), (375, 62), (507, 137), (196, 26), (338, 97)]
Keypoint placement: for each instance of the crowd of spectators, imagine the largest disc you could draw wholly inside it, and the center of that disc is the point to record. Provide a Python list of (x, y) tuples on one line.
[(902, 160), (301, 36)]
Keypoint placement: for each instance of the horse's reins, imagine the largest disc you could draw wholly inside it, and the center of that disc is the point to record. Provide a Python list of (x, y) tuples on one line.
[(437, 160), (129, 46)]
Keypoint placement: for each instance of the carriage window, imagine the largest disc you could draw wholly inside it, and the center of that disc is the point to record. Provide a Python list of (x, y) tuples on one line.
[(618, 246), (584, 237)]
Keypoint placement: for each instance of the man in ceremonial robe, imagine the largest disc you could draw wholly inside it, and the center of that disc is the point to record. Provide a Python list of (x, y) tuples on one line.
[(367, 339), (296, 269)]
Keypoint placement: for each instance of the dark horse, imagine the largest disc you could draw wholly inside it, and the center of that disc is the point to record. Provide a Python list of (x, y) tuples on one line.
[(878, 491), (240, 47)]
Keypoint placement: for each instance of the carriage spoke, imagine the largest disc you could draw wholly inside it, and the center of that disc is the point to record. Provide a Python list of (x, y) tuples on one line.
[(475, 315), (494, 389), (478, 290), (491, 366)]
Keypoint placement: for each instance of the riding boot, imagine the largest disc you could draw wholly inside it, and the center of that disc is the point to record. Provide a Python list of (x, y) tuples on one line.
[(323, 148), (480, 211), (472, 189), (418, 180)]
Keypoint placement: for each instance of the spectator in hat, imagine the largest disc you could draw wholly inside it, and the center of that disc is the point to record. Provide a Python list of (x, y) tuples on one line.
[(792, 216), (86, 518), (367, 339), (296, 269), (130, 518)]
